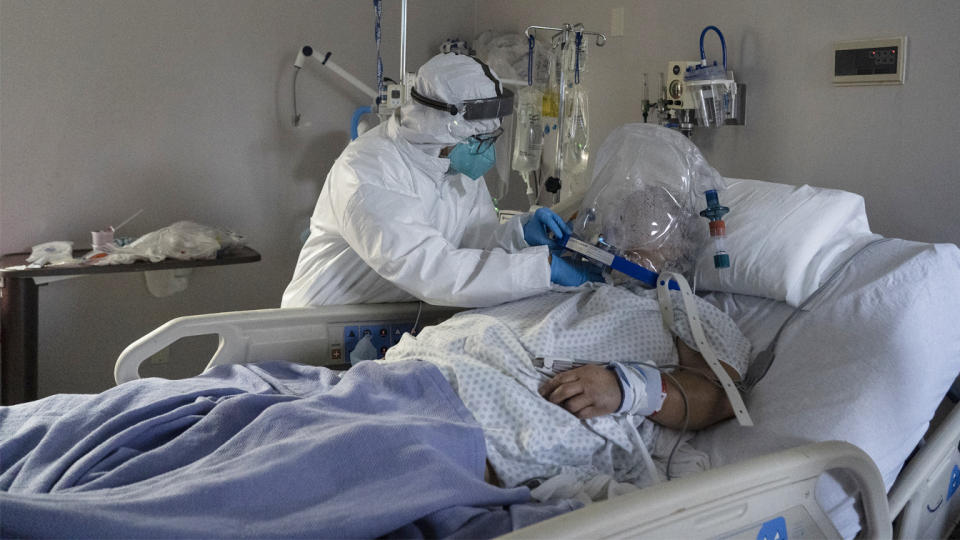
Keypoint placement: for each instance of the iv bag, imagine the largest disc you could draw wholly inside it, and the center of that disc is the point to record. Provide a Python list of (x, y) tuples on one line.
[(528, 141), (573, 58), (576, 153), (577, 136), (543, 66)]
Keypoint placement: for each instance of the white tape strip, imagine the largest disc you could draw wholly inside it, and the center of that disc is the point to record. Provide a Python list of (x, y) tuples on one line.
[(593, 252), (706, 350)]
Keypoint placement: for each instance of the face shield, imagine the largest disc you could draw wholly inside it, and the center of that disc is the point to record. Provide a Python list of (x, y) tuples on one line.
[(643, 204), (473, 109)]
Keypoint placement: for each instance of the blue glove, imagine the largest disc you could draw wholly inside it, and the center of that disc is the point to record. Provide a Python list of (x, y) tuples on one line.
[(572, 273), (541, 223)]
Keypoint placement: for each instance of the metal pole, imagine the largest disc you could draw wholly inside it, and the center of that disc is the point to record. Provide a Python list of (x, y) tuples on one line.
[(403, 44)]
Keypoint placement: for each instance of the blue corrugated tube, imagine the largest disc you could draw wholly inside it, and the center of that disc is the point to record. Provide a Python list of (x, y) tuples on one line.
[(723, 44), (355, 122)]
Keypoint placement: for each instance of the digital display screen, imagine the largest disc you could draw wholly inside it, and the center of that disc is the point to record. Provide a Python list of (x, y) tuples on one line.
[(872, 61)]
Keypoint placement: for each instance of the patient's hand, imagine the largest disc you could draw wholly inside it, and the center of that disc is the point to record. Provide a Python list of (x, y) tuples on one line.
[(585, 391)]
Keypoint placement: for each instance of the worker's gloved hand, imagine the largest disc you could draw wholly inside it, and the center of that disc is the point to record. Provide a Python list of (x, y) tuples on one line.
[(544, 221), (572, 273)]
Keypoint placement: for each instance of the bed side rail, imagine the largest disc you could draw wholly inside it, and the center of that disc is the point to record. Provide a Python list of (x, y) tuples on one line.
[(766, 497), (289, 334), (927, 489)]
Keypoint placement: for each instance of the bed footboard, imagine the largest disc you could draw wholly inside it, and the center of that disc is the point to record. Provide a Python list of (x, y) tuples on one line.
[(928, 489), (768, 497), (300, 335)]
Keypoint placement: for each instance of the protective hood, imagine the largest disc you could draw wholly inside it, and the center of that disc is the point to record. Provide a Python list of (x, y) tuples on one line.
[(648, 186), (451, 78)]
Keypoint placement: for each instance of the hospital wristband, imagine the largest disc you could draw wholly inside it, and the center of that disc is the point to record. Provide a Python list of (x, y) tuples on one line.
[(643, 389)]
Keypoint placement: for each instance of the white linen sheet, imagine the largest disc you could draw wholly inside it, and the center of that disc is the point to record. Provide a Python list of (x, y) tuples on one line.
[(868, 363)]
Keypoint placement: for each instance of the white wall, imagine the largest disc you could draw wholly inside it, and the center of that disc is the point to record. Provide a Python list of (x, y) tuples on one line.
[(896, 145), (180, 107)]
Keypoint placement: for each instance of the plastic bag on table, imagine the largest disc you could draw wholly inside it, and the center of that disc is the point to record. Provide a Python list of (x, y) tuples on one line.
[(184, 240), (57, 252)]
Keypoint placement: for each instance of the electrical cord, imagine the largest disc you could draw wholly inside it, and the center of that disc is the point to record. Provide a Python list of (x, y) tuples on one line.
[(761, 363), (417, 320), (683, 395), (686, 421)]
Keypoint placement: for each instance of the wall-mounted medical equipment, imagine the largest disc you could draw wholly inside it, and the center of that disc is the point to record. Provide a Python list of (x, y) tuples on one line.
[(699, 93), (562, 116), (871, 61), (387, 97)]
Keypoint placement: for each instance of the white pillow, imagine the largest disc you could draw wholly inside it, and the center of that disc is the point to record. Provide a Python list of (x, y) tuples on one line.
[(783, 240)]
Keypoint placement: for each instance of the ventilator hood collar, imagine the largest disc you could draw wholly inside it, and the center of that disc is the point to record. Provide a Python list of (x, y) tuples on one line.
[(451, 78)]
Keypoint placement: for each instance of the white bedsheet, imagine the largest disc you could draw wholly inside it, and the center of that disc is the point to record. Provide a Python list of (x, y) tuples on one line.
[(868, 364), (486, 356)]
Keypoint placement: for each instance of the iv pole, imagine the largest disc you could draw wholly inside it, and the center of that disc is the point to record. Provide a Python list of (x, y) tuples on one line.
[(561, 38), (307, 52)]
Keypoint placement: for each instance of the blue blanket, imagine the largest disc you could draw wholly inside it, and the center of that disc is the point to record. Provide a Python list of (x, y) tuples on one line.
[(267, 450)]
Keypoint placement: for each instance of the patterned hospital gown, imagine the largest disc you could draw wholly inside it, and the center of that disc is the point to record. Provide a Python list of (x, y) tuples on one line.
[(486, 355)]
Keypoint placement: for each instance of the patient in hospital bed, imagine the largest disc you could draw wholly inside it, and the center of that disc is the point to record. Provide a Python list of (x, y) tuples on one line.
[(389, 447), (534, 424)]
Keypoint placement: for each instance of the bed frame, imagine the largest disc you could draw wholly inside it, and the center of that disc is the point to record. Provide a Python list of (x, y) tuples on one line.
[(767, 497)]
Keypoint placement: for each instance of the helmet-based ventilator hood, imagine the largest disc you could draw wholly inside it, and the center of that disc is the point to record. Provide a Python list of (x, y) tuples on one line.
[(648, 185)]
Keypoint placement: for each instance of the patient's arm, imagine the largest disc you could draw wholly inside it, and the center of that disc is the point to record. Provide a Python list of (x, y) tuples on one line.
[(594, 390), (705, 398)]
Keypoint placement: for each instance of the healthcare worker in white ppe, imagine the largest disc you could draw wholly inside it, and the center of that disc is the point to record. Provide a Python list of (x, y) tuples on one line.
[(405, 213)]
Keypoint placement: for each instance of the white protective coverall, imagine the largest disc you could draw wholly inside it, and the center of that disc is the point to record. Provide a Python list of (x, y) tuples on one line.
[(391, 224)]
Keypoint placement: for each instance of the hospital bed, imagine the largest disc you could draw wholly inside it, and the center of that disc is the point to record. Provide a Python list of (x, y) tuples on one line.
[(847, 436), (854, 429)]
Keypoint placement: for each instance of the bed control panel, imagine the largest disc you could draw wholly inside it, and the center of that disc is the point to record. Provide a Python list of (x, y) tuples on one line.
[(371, 334), (353, 342)]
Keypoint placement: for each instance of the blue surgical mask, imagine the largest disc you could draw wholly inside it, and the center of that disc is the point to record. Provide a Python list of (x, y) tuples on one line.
[(473, 157)]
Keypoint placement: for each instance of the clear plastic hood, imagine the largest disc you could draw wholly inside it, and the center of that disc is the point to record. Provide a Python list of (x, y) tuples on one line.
[(643, 203)]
